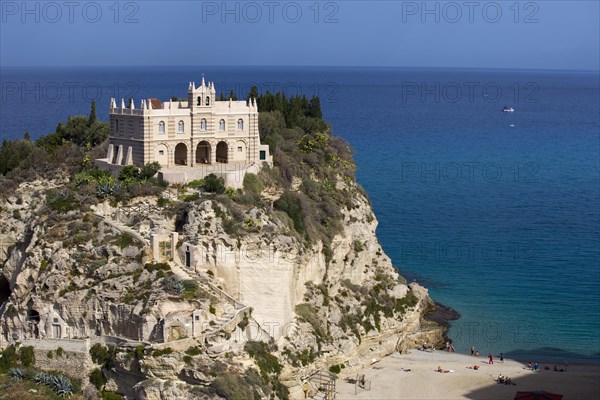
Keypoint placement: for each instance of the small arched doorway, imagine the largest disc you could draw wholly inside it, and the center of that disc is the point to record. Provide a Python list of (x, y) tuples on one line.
[(181, 154), (222, 150), (203, 153)]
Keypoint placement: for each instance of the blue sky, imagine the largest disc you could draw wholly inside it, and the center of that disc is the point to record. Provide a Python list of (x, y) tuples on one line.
[(488, 34)]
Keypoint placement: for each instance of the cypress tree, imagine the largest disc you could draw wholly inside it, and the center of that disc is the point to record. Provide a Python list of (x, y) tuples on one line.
[(253, 94), (92, 113)]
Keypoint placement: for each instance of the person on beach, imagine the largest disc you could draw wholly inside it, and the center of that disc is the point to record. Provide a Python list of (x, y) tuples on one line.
[(529, 365), (536, 367), (472, 350), (491, 359), (501, 358)]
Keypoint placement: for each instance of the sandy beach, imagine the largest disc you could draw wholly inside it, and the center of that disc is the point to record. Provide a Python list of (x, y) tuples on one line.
[(390, 380)]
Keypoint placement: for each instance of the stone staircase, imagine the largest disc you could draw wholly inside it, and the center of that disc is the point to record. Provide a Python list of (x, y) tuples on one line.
[(231, 307)]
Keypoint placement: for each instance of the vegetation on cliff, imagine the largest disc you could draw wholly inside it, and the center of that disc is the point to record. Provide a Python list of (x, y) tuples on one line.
[(308, 197)]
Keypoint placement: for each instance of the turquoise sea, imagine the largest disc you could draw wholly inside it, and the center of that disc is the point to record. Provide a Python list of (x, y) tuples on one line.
[(496, 213)]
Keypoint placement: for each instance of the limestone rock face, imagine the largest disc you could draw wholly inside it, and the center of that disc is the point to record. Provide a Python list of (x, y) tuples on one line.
[(165, 367), (160, 389), (81, 275)]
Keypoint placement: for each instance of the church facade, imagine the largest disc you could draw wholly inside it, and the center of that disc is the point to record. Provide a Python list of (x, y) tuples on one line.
[(195, 133)]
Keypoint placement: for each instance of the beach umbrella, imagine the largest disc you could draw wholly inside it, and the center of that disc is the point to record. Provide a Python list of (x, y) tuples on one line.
[(539, 395)]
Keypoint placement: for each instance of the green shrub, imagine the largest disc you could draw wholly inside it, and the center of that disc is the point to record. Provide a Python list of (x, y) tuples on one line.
[(157, 267), (190, 289), (97, 378), (214, 184), (60, 352), (124, 240), (267, 363), (193, 351), (62, 201), (163, 202), (149, 170), (231, 387), (289, 203), (111, 396), (129, 173), (162, 352), (100, 354), (358, 246), (8, 359), (27, 356), (196, 184), (191, 197), (336, 369), (252, 183), (139, 352)]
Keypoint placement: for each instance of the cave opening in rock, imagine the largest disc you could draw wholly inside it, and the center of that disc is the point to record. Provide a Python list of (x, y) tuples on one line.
[(33, 315), (4, 289)]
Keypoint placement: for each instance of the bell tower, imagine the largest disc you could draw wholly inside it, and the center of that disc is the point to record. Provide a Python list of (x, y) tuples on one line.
[(202, 96)]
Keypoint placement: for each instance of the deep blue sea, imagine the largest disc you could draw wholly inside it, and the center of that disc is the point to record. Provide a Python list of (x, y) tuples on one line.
[(496, 213)]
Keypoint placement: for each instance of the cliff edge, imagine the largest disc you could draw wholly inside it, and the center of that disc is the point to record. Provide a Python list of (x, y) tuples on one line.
[(160, 291)]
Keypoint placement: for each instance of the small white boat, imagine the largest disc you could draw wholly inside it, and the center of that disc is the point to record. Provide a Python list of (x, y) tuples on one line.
[(508, 109)]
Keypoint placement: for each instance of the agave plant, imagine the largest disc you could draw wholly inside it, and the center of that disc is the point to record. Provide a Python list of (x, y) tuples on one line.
[(62, 385), (16, 374), (42, 378), (175, 286), (105, 190)]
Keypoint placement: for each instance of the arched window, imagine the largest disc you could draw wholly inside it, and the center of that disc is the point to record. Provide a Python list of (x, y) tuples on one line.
[(208, 100), (203, 124), (240, 125), (180, 127), (222, 125), (161, 127), (199, 101)]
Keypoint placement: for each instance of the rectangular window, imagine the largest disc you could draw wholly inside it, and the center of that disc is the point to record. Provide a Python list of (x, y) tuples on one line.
[(240, 149), (262, 155), (161, 152)]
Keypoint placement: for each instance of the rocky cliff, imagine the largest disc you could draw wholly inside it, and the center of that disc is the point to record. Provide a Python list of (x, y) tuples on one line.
[(81, 275), (175, 293)]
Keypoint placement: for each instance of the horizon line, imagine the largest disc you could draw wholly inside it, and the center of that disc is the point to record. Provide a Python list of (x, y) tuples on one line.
[(300, 66)]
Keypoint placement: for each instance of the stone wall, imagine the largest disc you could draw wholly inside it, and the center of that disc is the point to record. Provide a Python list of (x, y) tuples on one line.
[(72, 363)]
